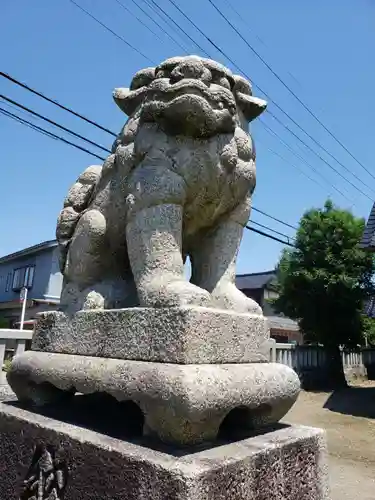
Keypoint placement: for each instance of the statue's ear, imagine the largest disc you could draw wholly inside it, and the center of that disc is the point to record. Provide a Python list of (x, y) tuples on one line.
[(250, 106), (129, 100)]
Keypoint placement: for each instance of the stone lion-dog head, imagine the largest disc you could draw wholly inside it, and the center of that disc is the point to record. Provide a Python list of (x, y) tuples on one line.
[(190, 96)]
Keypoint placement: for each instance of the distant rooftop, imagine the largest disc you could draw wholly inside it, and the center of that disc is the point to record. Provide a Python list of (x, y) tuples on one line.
[(368, 238), (29, 250), (282, 323), (254, 281)]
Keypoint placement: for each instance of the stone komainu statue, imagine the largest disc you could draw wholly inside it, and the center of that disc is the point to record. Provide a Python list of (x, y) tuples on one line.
[(178, 183)]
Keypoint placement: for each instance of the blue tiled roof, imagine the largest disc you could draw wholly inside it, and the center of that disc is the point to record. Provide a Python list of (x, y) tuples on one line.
[(29, 250), (368, 238)]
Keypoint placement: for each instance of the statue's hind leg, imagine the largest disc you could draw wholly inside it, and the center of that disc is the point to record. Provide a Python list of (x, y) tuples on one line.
[(214, 263), (84, 264)]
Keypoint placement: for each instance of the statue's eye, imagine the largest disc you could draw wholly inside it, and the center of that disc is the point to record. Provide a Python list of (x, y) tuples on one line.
[(220, 79), (163, 73), (142, 79)]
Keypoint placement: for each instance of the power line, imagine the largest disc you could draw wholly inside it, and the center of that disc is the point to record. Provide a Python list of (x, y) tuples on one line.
[(8, 114), (273, 133), (278, 77), (274, 218), (56, 103), (178, 26), (323, 159), (323, 148), (51, 135), (270, 229), (158, 25), (243, 20), (46, 132), (275, 238), (99, 126), (12, 79), (79, 136), (219, 49), (138, 19), (69, 110), (11, 106), (111, 31), (279, 155)]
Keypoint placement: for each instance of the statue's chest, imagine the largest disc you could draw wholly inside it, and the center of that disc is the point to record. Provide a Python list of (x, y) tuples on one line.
[(217, 192)]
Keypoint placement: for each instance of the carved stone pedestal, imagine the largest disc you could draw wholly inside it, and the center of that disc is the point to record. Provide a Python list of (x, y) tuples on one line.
[(40, 453), (188, 369), (183, 404)]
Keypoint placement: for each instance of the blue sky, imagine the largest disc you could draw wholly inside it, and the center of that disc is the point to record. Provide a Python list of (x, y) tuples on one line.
[(323, 50)]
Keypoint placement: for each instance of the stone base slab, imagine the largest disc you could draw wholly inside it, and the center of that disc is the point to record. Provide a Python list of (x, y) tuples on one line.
[(286, 464), (181, 403), (172, 335)]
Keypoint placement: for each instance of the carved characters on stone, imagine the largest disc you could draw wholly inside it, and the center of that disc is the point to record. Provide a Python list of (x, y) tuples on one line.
[(178, 183), (47, 476)]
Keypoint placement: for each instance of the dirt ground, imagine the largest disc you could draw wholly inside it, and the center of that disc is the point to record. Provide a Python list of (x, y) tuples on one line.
[(348, 416)]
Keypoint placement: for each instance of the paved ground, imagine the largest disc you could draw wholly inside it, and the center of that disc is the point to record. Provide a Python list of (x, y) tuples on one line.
[(349, 419), (5, 391)]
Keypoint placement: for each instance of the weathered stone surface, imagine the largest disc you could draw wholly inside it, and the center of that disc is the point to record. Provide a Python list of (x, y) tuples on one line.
[(172, 335), (179, 183), (181, 403), (286, 464)]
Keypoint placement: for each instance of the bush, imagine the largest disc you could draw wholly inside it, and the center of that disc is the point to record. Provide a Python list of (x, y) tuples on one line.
[(6, 365)]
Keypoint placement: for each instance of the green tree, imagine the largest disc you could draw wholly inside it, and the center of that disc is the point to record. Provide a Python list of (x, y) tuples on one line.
[(369, 330), (324, 281)]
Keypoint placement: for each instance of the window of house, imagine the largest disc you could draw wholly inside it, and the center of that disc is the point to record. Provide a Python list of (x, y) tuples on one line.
[(8, 282), (23, 277)]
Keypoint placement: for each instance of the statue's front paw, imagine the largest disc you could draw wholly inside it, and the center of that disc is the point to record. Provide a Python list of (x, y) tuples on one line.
[(174, 293), (227, 296)]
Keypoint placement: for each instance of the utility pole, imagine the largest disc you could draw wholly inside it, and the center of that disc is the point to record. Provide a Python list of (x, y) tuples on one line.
[(23, 299)]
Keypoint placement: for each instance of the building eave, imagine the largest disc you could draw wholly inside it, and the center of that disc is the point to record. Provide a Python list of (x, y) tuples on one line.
[(254, 281), (281, 323), (17, 304), (29, 251)]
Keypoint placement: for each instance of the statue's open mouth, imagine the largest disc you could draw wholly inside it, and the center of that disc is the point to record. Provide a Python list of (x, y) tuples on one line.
[(215, 95), (189, 107)]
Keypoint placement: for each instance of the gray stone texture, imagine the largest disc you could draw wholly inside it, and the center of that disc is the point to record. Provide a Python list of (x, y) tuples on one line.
[(181, 403), (286, 464), (172, 335), (191, 354), (178, 183)]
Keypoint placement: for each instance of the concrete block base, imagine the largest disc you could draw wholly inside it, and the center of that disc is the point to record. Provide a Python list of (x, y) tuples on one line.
[(41, 453), (184, 335)]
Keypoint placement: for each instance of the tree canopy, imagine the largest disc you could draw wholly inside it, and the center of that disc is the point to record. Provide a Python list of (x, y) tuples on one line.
[(324, 281)]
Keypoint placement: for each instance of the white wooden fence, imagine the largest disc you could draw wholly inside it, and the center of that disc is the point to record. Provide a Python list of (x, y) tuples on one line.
[(13, 342), (310, 357)]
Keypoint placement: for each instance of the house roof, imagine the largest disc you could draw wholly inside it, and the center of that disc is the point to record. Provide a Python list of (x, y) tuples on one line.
[(254, 281), (29, 250), (282, 323), (368, 238)]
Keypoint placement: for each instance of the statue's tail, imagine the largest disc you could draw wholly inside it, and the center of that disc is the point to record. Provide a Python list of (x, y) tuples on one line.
[(76, 202)]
